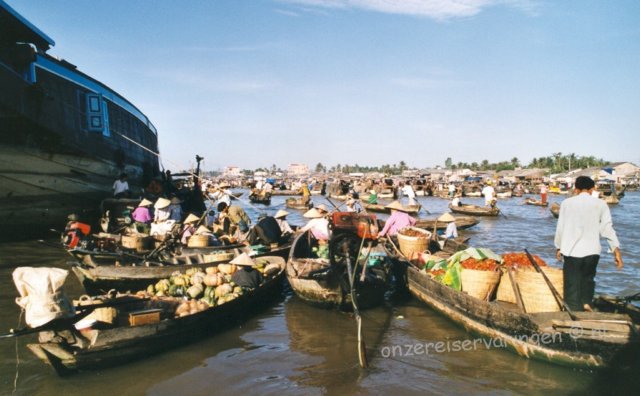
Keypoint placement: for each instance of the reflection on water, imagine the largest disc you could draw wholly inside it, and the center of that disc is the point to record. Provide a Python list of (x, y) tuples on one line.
[(292, 348)]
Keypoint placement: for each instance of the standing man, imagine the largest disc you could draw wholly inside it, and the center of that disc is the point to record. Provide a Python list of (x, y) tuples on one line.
[(489, 194), (583, 220), (543, 193), (121, 187)]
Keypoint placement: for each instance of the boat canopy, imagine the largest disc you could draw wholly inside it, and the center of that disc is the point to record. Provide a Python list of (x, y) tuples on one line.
[(15, 28)]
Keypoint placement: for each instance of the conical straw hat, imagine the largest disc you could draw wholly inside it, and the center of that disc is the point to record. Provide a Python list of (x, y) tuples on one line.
[(445, 218), (313, 214), (145, 202), (397, 206), (191, 218), (281, 213), (243, 259), (162, 203), (322, 207)]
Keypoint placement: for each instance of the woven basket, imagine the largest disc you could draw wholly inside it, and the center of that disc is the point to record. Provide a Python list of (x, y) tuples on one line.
[(410, 245), (536, 295), (479, 284), (505, 289), (138, 242), (196, 241)]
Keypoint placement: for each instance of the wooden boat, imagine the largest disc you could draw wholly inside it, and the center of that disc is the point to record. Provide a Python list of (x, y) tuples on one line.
[(68, 351), (611, 199), (339, 197), (298, 204), (472, 193), (596, 339), (462, 223), (555, 209), (260, 199), (99, 279), (325, 284), (504, 194), (386, 194), (535, 202), (411, 209), (475, 210), (286, 192)]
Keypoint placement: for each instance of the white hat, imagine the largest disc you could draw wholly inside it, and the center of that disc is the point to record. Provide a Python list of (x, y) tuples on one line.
[(322, 207), (243, 259), (313, 214), (281, 213), (191, 218), (446, 218), (162, 203), (145, 202)]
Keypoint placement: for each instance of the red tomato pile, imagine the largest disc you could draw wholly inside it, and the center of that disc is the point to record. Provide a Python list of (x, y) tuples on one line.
[(484, 265), (520, 260)]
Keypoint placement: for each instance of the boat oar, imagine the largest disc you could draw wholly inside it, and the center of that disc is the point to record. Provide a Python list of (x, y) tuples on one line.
[(553, 289)]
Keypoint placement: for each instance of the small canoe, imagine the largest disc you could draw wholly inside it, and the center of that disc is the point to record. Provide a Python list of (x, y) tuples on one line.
[(611, 199), (535, 202), (285, 192), (321, 283), (107, 345), (411, 209), (472, 194), (555, 209), (263, 200), (298, 204), (504, 194), (595, 339), (339, 197), (475, 210), (102, 278), (462, 222)]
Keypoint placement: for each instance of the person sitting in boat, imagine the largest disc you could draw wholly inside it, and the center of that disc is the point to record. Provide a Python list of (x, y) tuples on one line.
[(188, 228), (246, 276), (202, 230), (281, 219), (451, 230), (323, 209), (489, 194), (121, 187), (234, 221), (221, 194), (350, 204), (373, 197), (162, 212), (398, 220), (318, 225), (175, 209), (142, 216)]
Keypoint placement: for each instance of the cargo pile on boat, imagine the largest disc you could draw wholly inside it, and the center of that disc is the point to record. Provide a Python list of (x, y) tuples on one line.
[(198, 290)]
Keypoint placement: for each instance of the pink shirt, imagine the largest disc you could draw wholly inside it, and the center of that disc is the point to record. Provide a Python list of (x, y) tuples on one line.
[(397, 221), (142, 215)]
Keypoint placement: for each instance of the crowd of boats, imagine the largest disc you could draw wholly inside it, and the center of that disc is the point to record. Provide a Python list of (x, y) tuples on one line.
[(157, 287)]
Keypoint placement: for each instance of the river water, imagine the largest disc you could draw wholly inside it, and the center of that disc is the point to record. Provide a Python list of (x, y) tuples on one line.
[(292, 348)]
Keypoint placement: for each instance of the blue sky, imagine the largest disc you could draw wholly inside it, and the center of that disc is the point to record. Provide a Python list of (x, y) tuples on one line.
[(260, 82)]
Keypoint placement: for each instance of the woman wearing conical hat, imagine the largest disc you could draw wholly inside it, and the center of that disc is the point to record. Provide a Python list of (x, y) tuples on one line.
[(188, 228), (142, 216), (318, 225), (281, 219), (452, 230), (398, 220), (162, 212)]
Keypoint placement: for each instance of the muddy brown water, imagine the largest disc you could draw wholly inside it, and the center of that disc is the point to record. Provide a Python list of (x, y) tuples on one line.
[(292, 348)]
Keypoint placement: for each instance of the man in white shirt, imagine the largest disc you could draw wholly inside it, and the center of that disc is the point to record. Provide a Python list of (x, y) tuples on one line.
[(121, 187), (489, 194), (583, 220), (408, 191)]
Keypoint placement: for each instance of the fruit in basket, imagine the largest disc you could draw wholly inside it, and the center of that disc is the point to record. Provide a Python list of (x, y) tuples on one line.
[(521, 260), (481, 265)]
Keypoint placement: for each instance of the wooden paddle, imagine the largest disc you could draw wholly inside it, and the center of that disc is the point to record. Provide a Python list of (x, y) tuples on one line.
[(555, 293)]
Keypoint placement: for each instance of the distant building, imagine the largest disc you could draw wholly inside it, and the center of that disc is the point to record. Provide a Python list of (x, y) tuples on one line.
[(232, 171), (297, 170)]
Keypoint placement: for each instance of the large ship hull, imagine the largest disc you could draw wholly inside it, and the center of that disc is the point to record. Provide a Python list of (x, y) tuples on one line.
[(64, 136)]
